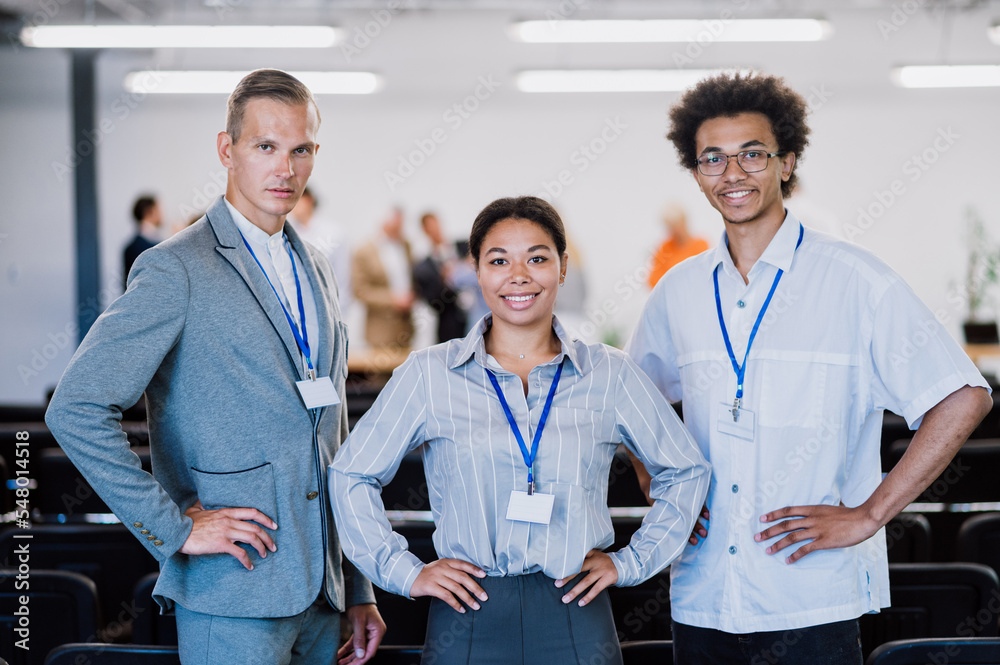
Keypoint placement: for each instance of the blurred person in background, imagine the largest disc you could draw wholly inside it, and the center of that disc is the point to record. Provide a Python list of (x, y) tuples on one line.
[(148, 220), (328, 237), (382, 279), (679, 245), (433, 278)]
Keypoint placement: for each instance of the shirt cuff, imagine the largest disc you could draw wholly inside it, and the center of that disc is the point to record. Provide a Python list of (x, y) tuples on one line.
[(407, 567), (623, 578)]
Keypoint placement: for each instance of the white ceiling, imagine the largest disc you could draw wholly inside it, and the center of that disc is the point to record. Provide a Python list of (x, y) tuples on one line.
[(434, 47)]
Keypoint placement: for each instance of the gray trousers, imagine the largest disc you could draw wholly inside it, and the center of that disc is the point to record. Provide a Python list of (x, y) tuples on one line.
[(524, 622), (309, 638)]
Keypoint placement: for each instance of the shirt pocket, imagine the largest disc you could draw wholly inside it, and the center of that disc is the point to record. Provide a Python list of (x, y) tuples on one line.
[(805, 390), (576, 447), (247, 488)]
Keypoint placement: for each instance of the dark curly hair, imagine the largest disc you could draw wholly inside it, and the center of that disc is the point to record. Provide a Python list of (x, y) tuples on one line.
[(529, 208), (729, 94)]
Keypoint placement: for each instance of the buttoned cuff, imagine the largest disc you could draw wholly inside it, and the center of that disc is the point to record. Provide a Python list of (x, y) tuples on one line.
[(162, 543)]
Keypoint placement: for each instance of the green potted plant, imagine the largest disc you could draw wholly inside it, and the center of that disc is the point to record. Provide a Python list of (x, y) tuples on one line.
[(982, 274)]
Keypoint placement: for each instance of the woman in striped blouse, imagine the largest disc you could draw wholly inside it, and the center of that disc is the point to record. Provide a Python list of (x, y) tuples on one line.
[(517, 424)]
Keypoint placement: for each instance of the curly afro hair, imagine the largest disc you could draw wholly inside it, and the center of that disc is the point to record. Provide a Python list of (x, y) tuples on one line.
[(729, 94)]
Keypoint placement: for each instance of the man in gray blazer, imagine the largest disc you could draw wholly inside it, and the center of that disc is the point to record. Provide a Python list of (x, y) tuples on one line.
[(243, 405)]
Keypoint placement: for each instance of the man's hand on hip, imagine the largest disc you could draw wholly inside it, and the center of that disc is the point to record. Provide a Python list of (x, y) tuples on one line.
[(826, 527), (218, 531)]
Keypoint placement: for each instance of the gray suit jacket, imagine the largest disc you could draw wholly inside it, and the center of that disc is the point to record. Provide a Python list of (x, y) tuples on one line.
[(201, 332)]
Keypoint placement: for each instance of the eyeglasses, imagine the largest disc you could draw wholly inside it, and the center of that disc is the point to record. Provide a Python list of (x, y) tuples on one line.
[(751, 161)]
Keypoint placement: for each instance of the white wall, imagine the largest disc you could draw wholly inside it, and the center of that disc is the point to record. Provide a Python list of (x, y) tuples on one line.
[(865, 133)]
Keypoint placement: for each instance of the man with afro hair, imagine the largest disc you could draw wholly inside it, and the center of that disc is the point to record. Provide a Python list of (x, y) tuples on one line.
[(786, 346)]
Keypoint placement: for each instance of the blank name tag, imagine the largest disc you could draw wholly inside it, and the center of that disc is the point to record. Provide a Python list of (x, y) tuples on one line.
[(536, 508), (318, 393), (741, 428)]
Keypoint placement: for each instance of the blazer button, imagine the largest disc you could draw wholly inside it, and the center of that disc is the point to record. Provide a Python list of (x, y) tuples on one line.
[(150, 537), (157, 542), (312, 495), (137, 525), (144, 532)]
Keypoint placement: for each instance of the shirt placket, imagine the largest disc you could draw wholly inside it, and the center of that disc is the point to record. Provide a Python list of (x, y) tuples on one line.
[(742, 312)]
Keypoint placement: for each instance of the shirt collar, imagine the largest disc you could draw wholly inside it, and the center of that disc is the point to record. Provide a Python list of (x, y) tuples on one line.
[(250, 231), (779, 251), (473, 346)]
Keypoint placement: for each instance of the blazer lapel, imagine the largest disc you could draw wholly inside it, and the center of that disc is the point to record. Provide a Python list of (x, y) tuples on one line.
[(320, 289), (232, 249)]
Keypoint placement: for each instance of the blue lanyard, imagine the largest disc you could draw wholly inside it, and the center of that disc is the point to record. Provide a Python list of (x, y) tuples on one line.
[(529, 458), (302, 340), (741, 369)]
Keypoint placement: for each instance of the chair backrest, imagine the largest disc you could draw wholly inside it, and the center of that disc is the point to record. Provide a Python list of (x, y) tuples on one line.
[(953, 651), (935, 600), (908, 538), (408, 488), (642, 612), (648, 652), (979, 540), (62, 607), (108, 554), (397, 655), (970, 478), (149, 626), (63, 495), (623, 485), (98, 653)]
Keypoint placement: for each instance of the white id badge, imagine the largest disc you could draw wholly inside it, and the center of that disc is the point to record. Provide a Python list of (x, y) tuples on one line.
[(524, 507), (741, 428), (318, 393)]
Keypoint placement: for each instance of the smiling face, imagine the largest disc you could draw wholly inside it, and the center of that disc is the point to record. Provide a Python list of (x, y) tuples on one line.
[(520, 271), (739, 196), (271, 163)]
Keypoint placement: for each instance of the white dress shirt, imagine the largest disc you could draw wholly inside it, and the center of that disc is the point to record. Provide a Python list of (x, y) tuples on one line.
[(272, 252), (396, 264), (844, 338), (441, 400)]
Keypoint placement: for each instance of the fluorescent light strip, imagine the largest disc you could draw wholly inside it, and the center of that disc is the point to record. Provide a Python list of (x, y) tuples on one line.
[(947, 76), (223, 82), (180, 36), (645, 31), (606, 80)]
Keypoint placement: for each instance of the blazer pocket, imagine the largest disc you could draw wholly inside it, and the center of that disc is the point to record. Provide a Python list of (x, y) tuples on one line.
[(249, 488)]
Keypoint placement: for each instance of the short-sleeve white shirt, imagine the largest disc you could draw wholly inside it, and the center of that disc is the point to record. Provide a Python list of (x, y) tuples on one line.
[(843, 339)]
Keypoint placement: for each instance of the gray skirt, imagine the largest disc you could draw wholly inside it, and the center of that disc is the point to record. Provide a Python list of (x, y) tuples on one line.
[(524, 622)]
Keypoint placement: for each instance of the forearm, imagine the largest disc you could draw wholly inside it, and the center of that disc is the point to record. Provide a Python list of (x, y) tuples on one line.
[(366, 536), (941, 434)]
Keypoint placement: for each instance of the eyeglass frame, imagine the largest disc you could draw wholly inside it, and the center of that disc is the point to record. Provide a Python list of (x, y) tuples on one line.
[(778, 153)]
